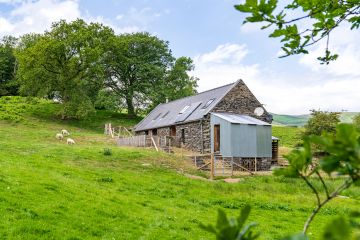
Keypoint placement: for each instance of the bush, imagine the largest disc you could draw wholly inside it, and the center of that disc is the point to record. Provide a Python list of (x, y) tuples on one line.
[(107, 152)]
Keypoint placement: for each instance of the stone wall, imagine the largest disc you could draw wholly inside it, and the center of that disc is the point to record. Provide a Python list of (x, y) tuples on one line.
[(240, 100)]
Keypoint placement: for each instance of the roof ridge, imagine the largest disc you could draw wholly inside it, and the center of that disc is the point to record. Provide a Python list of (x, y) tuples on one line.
[(199, 93)]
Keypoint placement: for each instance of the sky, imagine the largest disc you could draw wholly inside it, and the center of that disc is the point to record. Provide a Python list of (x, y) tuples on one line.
[(223, 50)]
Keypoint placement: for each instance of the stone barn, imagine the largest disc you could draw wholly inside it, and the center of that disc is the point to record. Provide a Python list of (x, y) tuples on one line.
[(227, 120)]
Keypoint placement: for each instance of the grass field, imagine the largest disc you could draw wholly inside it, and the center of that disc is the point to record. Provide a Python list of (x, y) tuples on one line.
[(54, 191)]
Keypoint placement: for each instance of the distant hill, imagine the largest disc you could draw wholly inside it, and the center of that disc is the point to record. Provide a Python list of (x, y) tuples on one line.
[(300, 120)]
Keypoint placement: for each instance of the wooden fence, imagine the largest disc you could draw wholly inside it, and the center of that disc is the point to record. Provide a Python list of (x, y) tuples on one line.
[(135, 141)]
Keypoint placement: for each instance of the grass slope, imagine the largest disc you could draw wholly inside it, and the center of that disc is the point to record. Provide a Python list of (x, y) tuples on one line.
[(54, 191), (301, 120)]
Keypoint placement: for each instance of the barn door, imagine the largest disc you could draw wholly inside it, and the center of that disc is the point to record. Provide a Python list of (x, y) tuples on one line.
[(216, 138)]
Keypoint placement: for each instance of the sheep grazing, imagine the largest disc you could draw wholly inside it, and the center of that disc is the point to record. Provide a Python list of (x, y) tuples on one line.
[(70, 141), (59, 136), (65, 132)]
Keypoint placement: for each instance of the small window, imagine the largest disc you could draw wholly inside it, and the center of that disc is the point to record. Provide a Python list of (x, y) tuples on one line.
[(154, 132), (183, 135), (184, 109), (157, 116), (163, 116), (208, 103)]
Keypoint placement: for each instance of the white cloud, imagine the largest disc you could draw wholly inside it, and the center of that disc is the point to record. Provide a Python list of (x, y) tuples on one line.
[(222, 65), (36, 16), (282, 91), (344, 42)]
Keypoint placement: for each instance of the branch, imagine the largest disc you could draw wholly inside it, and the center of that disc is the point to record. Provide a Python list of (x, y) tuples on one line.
[(323, 183), (346, 185), (312, 188)]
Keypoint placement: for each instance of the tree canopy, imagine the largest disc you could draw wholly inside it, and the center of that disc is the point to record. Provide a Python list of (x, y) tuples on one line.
[(65, 63), (143, 71), (301, 24), (8, 85), (322, 121)]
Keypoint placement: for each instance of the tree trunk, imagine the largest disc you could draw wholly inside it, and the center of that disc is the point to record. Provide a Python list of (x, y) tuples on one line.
[(130, 105)]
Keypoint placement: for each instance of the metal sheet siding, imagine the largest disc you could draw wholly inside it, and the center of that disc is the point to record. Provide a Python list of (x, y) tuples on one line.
[(263, 141), (243, 140)]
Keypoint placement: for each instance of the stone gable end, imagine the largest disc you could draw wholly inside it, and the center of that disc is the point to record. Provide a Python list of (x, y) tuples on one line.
[(240, 100)]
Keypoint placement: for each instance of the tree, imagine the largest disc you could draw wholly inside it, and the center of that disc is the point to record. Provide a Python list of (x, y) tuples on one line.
[(343, 159), (8, 85), (321, 121), (65, 63), (177, 82), (141, 70), (298, 32)]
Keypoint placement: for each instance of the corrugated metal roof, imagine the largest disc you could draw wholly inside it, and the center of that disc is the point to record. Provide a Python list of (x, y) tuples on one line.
[(240, 119), (195, 111)]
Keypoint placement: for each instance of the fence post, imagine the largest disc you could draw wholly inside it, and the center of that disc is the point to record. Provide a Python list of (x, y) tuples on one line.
[(232, 166), (255, 164), (212, 166)]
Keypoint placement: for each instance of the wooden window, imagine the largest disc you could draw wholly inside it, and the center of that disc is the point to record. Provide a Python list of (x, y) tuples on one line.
[(217, 138), (146, 132)]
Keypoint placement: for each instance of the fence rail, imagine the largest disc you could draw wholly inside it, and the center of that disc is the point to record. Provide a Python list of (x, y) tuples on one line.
[(134, 141)]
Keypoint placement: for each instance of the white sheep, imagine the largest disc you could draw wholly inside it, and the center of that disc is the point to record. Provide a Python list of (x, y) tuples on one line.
[(59, 136), (70, 141), (65, 132)]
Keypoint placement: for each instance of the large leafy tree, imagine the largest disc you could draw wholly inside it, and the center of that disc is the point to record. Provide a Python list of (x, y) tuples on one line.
[(8, 85), (303, 23), (141, 70), (177, 83), (65, 63)]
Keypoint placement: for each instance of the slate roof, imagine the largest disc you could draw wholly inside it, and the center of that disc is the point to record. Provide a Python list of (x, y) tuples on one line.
[(167, 114), (240, 119)]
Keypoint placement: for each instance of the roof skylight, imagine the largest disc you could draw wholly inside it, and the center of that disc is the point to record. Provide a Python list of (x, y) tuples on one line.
[(208, 103), (184, 109)]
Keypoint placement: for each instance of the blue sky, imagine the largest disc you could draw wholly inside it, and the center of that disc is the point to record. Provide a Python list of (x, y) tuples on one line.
[(223, 50)]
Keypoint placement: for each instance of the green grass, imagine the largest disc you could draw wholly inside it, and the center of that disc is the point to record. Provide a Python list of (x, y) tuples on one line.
[(54, 191), (289, 136)]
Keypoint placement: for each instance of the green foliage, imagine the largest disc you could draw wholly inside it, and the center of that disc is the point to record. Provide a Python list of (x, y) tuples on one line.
[(356, 121), (8, 85), (342, 157), (65, 63), (231, 228), (143, 72), (176, 83), (108, 100), (324, 16), (107, 152), (337, 229), (321, 121)]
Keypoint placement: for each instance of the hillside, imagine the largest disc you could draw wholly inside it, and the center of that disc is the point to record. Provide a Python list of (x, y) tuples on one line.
[(51, 190), (301, 120)]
